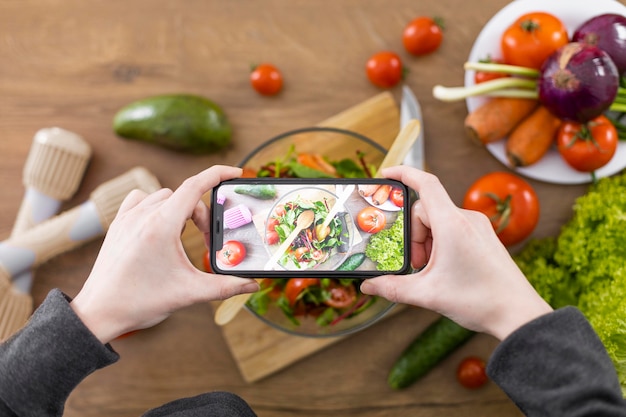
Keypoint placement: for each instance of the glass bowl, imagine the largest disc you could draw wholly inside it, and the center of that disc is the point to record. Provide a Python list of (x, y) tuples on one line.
[(334, 144), (300, 199)]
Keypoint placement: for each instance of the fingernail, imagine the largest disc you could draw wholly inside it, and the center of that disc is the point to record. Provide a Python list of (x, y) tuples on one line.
[(251, 287)]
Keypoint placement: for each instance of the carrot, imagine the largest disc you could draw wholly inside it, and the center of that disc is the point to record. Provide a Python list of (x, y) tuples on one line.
[(381, 195), (367, 190), (316, 161), (532, 138), (497, 118)]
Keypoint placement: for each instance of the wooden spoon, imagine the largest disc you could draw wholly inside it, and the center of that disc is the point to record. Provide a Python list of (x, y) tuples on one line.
[(399, 148), (230, 307), (304, 220)]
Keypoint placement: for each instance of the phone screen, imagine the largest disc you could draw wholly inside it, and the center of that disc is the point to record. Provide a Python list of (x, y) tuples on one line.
[(304, 227)]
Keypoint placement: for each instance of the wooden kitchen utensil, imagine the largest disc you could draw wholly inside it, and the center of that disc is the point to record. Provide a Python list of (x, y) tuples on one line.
[(52, 173), (401, 145), (66, 231), (229, 308)]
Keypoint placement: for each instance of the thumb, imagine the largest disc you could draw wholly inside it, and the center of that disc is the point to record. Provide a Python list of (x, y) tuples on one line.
[(211, 287), (395, 288)]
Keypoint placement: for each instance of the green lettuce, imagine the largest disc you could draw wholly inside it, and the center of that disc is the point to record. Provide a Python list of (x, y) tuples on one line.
[(585, 266), (386, 247)]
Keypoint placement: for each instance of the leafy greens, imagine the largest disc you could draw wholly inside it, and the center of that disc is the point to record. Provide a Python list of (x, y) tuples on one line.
[(585, 265)]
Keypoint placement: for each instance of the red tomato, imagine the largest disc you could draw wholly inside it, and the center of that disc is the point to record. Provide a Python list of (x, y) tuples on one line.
[(482, 76), (232, 253), (397, 197), (532, 38), (206, 261), (471, 373), (341, 296), (272, 223), (295, 286), (266, 79), (587, 147), (371, 220), (423, 35), (300, 253), (384, 69), (280, 211), (271, 237), (510, 203)]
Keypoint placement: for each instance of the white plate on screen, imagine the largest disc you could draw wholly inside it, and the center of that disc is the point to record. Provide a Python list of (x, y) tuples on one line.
[(551, 168)]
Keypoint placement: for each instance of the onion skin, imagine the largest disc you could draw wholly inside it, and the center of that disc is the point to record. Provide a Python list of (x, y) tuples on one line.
[(607, 32), (578, 82)]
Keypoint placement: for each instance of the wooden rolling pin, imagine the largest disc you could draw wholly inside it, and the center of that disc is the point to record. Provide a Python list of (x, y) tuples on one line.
[(72, 228)]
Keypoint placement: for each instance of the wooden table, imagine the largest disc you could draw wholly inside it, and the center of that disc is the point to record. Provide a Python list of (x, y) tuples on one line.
[(73, 64)]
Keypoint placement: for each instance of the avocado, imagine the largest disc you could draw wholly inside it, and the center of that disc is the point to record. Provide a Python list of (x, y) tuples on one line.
[(182, 122)]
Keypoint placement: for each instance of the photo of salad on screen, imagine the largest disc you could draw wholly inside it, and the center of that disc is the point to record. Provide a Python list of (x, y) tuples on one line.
[(311, 227)]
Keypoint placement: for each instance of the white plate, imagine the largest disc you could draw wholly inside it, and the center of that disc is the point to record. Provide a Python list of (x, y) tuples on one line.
[(386, 206), (551, 168)]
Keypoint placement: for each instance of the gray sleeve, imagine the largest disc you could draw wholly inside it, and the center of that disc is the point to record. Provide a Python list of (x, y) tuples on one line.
[(557, 366), (42, 363)]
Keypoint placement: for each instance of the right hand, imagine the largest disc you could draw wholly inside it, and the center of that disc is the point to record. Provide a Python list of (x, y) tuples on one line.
[(468, 275)]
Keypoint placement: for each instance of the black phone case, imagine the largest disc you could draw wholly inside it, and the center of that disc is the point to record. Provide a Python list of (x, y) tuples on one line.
[(242, 209)]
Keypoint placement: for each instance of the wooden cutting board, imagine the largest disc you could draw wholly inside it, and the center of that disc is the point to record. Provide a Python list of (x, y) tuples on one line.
[(258, 349)]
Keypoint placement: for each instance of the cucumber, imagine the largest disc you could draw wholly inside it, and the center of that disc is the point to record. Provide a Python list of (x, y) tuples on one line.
[(433, 345), (352, 262), (260, 191), (182, 122), (344, 236)]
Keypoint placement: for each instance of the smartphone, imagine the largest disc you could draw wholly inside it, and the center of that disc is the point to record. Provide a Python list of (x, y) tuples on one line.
[(330, 227)]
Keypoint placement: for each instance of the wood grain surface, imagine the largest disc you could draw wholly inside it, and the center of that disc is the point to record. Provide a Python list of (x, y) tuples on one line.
[(73, 64)]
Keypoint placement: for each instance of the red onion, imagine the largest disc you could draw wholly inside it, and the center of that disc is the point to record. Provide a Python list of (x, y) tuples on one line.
[(578, 82), (607, 32)]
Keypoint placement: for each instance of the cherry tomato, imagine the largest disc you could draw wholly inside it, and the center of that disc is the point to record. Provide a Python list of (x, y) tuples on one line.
[(471, 373), (271, 237), (280, 211), (482, 76), (532, 38), (423, 35), (317, 254), (266, 79), (295, 286), (587, 147), (301, 253), (397, 197), (371, 220), (272, 223), (206, 261), (384, 69), (232, 253), (510, 203), (341, 296)]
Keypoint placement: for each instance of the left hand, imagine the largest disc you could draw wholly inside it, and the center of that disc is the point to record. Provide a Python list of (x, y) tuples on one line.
[(142, 273)]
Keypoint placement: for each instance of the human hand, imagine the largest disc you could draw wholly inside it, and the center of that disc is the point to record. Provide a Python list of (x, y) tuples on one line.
[(468, 275), (142, 273)]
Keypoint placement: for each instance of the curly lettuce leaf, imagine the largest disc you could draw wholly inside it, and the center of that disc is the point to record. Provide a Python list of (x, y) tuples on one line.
[(386, 247), (585, 266)]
